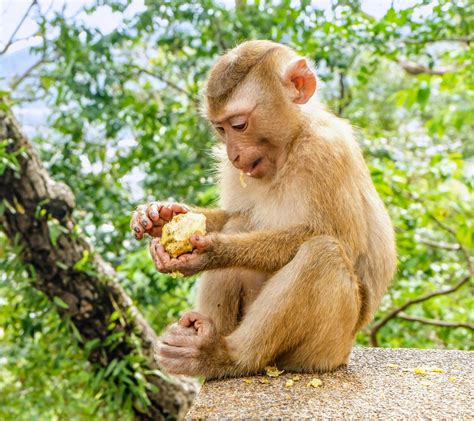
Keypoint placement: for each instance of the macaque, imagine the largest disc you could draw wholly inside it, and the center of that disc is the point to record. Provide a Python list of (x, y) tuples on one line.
[(296, 260)]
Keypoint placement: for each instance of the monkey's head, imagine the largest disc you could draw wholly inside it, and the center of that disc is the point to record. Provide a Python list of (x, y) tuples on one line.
[(252, 99)]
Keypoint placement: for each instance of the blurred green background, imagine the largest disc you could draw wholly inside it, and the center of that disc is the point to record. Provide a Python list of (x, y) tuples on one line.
[(108, 91)]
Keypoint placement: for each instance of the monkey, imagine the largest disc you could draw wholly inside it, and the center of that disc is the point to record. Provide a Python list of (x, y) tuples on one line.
[(295, 263)]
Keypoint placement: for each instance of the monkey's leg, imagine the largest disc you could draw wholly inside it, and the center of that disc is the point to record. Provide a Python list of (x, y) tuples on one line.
[(218, 296), (225, 295), (305, 317)]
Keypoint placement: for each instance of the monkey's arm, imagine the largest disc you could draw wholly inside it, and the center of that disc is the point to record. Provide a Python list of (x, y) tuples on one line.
[(267, 251)]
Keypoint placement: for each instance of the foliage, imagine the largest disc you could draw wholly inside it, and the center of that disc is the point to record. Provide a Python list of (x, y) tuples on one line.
[(43, 371), (125, 128)]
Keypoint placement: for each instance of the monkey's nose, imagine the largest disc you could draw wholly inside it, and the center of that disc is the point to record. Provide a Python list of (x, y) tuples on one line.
[(236, 159)]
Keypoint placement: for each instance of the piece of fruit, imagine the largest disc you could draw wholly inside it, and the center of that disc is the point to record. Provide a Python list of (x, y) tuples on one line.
[(273, 371), (176, 234), (315, 383), (419, 370)]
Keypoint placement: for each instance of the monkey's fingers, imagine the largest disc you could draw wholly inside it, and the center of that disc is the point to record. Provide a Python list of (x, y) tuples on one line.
[(145, 222), (201, 242), (178, 208), (178, 365), (172, 351), (181, 339), (202, 324), (166, 213), (135, 225), (153, 211), (177, 329), (161, 258), (155, 231)]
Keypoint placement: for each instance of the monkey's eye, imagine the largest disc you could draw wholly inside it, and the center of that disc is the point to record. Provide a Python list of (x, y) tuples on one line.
[(240, 126), (220, 129)]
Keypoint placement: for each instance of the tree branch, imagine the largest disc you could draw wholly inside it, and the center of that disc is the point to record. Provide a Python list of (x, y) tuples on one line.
[(345, 94), (17, 80), (462, 40), (439, 244), (24, 99), (417, 68), (11, 40), (395, 312), (464, 251), (435, 322), (166, 81), (38, 215)]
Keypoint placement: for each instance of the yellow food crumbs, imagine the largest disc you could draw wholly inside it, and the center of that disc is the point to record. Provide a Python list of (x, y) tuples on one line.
[(296, 378), (392, 366), (315, 383), (452, 379), (264, 380), (419, 370), (248, 381), (242, 180), (289, 383), (437, 370), (273, 371), (176, 274)]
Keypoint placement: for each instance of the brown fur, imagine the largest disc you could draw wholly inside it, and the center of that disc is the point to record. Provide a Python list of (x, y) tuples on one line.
[(301, 256)]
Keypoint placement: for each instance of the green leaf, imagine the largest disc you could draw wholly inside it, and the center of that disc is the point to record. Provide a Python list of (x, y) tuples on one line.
[(60, 303)]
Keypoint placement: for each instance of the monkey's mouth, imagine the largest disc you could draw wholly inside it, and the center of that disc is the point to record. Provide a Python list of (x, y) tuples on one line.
[(253, 167)]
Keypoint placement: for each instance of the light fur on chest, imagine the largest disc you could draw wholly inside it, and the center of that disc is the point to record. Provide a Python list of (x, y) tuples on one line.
[(266, 207)]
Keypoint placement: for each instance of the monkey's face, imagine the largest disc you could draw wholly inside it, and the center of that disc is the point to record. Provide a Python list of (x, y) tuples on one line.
[(261, 116), (254, 131)]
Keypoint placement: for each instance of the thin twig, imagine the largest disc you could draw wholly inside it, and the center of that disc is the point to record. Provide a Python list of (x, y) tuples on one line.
[(16, 81), (435, 322), (464, 251), (345, 94), (22, 100), (396, 311), (417, 68), (463, 40), (439, 244), (12, 37), (166, 81)]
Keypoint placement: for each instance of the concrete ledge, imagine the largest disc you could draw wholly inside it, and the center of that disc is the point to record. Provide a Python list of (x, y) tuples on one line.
[(378, 383)]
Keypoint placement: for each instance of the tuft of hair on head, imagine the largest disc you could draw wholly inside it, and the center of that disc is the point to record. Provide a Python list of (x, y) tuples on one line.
[(233, 67)]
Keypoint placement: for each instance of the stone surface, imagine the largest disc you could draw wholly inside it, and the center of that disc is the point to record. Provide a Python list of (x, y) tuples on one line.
[(377, 384)]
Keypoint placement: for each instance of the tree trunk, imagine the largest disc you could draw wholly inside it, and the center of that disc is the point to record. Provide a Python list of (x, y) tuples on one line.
[(37, 215)]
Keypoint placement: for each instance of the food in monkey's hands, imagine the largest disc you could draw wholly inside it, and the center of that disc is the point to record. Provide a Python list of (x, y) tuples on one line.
[(176, 234)]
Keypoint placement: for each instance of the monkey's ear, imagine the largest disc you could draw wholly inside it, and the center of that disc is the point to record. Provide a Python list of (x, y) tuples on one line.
[(300, 81)]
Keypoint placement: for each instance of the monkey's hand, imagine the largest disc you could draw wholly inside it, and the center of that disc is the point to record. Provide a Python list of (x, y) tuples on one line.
[(149, 219), (193, 347), (188, 263)]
